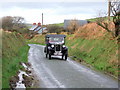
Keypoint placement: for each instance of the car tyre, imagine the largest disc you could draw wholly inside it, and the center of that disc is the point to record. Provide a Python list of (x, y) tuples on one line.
[(46, 55), (49, 56), (45, 50), (62, 57), (66, 57)]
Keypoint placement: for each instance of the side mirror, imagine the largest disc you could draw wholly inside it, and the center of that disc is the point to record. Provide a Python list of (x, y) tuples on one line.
[(46, 40)]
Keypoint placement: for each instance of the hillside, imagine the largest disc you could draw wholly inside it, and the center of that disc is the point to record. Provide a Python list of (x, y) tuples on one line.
[(92, 45), (95, 46), (93, 31), (95, 19), (14, 51), (58, 24)]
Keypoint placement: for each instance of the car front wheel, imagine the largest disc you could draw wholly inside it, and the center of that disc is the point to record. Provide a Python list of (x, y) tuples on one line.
[(62, 57), (46, 55), (49, 56)]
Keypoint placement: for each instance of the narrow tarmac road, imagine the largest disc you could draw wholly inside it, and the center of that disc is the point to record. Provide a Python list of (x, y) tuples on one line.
[(57, 73)]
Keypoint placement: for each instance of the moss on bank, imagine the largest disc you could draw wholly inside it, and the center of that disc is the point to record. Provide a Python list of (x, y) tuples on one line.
[(14, 51)]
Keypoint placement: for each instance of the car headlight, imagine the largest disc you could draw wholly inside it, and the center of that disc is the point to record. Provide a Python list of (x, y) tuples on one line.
[(52, 46), (63, 46)]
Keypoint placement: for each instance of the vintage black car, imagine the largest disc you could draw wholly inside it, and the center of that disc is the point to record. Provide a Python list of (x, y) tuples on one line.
[(55, 45)]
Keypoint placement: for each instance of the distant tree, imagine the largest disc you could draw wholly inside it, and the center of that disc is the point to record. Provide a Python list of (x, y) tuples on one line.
[(19, 24), (115, 18), (54, 29), (7, 23), (16, 23)]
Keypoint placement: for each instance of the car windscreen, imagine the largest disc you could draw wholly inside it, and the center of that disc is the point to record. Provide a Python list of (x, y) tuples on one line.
[(56, 39)]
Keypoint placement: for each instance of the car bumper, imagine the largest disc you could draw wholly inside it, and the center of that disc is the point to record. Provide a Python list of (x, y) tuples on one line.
[(58, 53)]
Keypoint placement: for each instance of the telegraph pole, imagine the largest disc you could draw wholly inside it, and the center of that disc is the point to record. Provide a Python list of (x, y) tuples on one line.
[(42, 23), (109, 9)]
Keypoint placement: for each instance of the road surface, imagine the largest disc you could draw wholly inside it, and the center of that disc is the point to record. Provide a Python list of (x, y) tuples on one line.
[(57, 73)]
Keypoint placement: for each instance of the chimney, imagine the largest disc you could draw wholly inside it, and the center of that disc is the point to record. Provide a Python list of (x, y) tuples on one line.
[(34, 23), (39, 24)]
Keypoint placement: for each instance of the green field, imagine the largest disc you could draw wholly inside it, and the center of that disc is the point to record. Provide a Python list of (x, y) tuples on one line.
[(58, 24), (95, 19), (37, 40), (14, 51)]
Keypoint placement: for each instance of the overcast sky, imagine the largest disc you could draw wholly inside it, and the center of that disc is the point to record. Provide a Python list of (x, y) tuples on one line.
[(54, 12)]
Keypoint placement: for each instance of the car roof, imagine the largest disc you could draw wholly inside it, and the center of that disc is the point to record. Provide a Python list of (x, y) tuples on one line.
[(55, 35)]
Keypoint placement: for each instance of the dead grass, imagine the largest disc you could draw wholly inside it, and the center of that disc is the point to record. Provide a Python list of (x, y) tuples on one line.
[(74, 46), (114, 59), (92, 31), (90, 49), (65, 33)]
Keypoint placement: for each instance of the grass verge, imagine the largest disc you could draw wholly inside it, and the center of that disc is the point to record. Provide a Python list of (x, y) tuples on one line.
[(38, 39), (14, 51), (102, 54)]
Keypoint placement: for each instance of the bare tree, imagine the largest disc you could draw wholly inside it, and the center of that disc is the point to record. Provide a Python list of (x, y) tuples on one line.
[(7, 23), (115, 11), (73, 25), (14, 24), (54, 29), (102, 20), (18, 23)]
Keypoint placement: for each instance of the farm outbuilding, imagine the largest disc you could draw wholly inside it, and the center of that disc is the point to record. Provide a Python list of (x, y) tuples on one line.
[(79, 22), (37, 28)]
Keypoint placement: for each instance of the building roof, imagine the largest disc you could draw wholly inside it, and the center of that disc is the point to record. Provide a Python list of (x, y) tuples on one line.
[(79, 22), (37, 29), (55, 35), (40, 31), (33, 27)]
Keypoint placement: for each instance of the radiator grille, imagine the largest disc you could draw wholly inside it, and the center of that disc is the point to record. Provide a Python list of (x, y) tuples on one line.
[(57, 47)]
